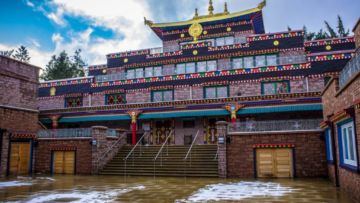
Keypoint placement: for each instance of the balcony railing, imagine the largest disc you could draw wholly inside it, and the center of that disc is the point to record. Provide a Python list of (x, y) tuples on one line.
[(72, 133), (275, 126), (298, 59), (351, 68)]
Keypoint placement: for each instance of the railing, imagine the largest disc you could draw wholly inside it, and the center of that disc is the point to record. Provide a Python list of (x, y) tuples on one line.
[(191, 146), (65, 133), (132, 152), (217, 153), (275, 126), (351, 68), (111, 148), (285, 60), (162, 147), (156, 50), (71, 133)]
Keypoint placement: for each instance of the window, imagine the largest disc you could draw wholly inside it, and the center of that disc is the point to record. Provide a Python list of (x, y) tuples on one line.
[(111, 99), (72, 102), (158, 71), (249, 62), (130, 74), (149, 72), (185, 68), (216, 92), (329, 150), (260, 61), (272, 88), (221, 41), (204, 66), (162, 95), (237, 63), (271, 60), (348, 154), (139, 73)]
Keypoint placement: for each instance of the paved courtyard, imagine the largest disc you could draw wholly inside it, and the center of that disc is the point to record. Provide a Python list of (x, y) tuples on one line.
[(150, 189)]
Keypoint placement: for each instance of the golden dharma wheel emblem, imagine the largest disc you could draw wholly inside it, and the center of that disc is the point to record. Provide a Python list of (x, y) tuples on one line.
[(104, 71), (205, 32), (126, 60), (276, 43), (195, 52), (195, 31), (228, 29), (182, 35), (328, 47), (52, 91)]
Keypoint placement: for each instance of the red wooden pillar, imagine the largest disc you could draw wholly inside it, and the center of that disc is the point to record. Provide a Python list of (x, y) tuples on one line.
[(54, 121), (133, 115)]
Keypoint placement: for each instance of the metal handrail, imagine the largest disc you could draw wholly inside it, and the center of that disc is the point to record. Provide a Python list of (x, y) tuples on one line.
[(112, 146), (133, 149), (217, 153), (192, 144), (165, 143)]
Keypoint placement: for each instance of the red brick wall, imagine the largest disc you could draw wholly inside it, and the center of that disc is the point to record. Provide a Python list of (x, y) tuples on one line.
[(357, 34), (18, 83), (138, 97), (309, 153), (43, 153), (57, 102), (97, 99), (245, 89), (333, 102), (182, 93), (18, 120)]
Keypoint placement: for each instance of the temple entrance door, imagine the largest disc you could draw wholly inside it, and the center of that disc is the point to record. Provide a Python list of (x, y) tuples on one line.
[(20, 158), (210, 129), (161, 129)]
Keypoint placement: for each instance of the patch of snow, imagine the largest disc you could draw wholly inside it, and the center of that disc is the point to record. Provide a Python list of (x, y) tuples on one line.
[(78, 196), (14, 184), (238, 191)]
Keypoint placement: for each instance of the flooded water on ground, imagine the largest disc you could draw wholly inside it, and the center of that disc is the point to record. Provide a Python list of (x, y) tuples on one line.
[(149, 189)]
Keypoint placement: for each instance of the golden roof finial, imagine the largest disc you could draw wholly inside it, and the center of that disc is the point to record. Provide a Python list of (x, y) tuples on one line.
[(226, 11), (196, 13), (211, 8), (262, 4)]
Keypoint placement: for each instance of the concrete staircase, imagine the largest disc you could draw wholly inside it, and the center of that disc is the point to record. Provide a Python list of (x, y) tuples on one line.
[(201, 163)]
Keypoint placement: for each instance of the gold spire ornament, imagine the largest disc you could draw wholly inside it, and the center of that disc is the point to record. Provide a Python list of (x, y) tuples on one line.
[(195, 31), (262, 5), (226, 11), (196, 13), (211, 8)]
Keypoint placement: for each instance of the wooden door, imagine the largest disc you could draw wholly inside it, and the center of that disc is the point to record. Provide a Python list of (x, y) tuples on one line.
[(63, 162), (20, 158), (274, 163)]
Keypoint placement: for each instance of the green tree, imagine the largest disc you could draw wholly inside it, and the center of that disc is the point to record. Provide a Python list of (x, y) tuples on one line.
[(8, 53), (321, 35), (331, 32), (22, 54), (308, 35), (341, 28), (63, 66)]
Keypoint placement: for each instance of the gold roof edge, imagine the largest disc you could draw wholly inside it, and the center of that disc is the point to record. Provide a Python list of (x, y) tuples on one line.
[(206, 18)]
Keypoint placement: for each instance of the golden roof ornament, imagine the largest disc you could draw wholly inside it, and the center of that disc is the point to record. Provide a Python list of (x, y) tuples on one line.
[(196, 13), (226, 11), (195, 31), (262, 5), (211, 8)]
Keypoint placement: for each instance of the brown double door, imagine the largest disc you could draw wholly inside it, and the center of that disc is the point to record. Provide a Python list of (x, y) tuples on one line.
[(20, 158), (274, 163), (64, 162)]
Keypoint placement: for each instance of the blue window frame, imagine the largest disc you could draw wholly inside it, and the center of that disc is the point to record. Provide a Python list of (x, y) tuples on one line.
[(347, 145), (329, 146)]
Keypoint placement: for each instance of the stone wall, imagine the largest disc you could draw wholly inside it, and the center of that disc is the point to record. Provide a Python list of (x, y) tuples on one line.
[(51, 102), (18, 120), (310, 158)]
